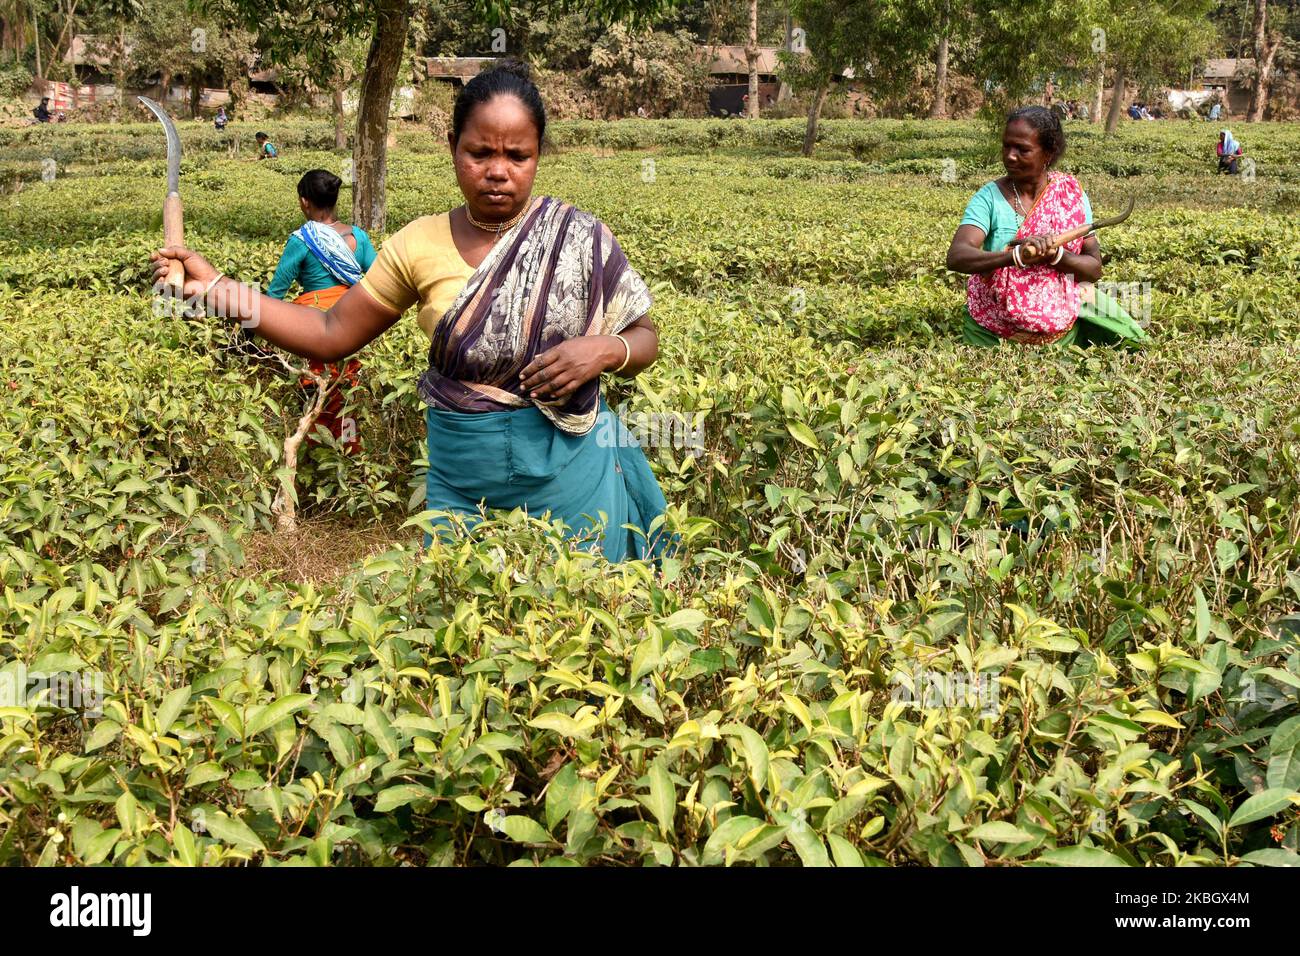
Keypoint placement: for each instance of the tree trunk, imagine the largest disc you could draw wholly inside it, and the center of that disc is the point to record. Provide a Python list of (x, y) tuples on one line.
[(1264, 53), (340, 121), (234, 77), (369, 152), (1116, 100), (196, 93), (751, 59), (36, 29), (1098, 97), (939, 105), (121, 71), (12, 34), (55, 71), (814, 114)]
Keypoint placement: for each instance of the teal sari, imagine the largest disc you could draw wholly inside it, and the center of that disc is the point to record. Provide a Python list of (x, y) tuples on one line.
[(596, 483)]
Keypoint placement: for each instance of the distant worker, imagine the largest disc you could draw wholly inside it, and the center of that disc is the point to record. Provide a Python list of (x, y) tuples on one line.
[(42, 112), (221, 119), (1229, 152), (1216, 111), (325, 257), (265, 148)]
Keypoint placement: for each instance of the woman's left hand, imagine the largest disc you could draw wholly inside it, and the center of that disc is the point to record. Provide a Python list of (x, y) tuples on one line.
[(560, 371)]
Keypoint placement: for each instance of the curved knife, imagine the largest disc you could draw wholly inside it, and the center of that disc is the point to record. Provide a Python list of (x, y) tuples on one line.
[(173, 221), (1079, 232)]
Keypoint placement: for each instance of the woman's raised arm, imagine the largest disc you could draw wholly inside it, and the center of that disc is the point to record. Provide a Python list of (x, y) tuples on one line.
[(350, 324)]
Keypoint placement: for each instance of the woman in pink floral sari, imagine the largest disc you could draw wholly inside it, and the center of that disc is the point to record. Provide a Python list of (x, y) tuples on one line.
[(1034, 299)]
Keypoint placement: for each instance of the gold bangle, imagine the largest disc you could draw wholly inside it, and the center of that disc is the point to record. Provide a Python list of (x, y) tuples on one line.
[(627, 348)]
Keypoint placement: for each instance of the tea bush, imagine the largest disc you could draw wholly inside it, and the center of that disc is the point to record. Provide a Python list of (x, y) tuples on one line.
[(935, 606)]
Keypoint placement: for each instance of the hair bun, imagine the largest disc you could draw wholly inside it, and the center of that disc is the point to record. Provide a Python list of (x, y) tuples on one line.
[(510, 64)]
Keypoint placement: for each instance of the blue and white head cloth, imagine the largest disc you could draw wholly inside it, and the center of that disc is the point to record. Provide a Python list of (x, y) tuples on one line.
[(1230, 145), (328, 246)]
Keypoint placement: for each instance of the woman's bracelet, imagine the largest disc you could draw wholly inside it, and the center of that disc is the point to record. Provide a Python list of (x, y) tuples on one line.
[(627, 349), (1015, 257), (1060, 254)]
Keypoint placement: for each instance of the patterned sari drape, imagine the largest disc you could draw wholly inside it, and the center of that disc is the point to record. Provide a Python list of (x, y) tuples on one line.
[(558, 274)]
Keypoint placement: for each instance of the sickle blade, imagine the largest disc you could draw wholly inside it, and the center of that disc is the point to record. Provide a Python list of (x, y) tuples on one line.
[(1116, 220), (173, 145)]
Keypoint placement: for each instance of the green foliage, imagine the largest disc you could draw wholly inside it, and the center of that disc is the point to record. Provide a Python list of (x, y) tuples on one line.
[(654, 70), (880, 39), (878, 515), (14, 79)]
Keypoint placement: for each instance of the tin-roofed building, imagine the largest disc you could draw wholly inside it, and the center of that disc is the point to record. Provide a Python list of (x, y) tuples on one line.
[(456, 70), (730, 72), (1227, 76)]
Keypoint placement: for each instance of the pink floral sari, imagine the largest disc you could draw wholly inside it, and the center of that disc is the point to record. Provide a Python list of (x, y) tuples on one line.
[(1037, 304)]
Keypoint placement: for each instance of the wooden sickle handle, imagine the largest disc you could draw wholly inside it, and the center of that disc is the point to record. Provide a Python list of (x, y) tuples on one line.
[(1055, 242), (174, 235)]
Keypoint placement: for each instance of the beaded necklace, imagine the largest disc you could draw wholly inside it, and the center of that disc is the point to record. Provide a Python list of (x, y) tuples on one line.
[(494, 227)]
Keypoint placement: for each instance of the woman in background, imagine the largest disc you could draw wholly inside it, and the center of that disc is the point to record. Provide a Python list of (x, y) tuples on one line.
[(1229, 152), (325, 257), (265, 148), (1045, 298)]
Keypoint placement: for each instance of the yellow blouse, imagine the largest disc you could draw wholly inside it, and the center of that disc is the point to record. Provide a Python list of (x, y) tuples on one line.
[(419, 263)]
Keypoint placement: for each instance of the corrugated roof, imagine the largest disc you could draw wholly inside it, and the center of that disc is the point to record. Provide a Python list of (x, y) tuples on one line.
[(460, 67), (731, 59), (88, 49), (1225, 68)]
